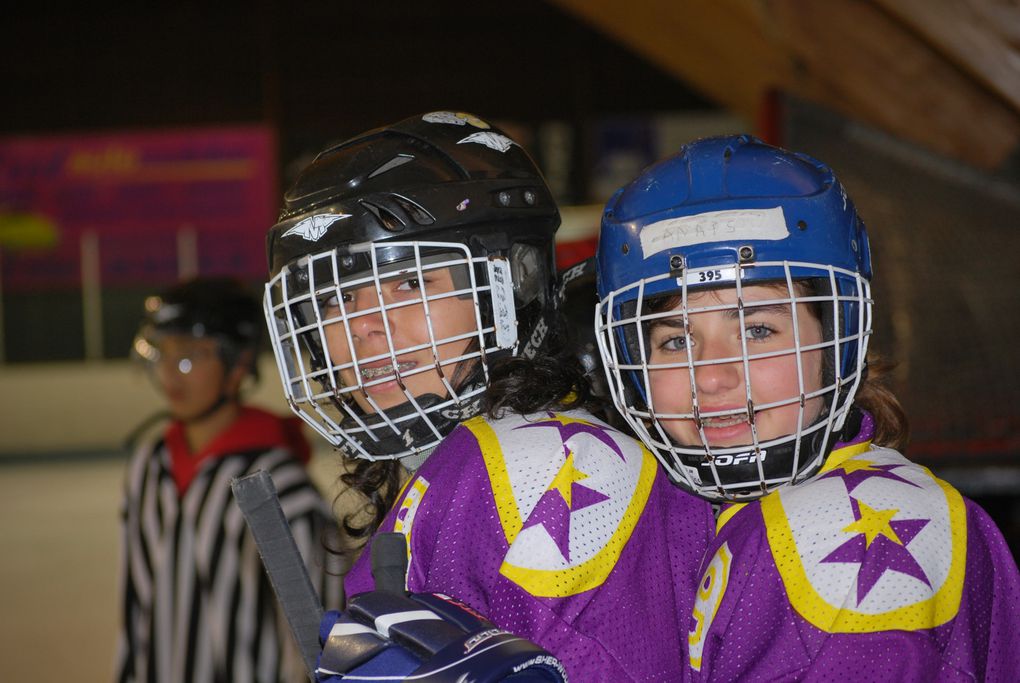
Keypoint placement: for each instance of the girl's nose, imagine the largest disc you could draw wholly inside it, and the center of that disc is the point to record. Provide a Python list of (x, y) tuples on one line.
[(717, 375), (365, 315)]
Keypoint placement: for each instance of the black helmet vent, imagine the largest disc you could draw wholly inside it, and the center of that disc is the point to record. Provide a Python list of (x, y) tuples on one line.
[(386, 218), (416, 212), (398, 160)]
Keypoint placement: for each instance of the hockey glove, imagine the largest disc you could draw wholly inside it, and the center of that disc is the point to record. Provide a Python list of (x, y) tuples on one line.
[(389, 635)]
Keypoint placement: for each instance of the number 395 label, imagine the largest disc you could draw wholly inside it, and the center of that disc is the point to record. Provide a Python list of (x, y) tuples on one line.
[(707, 275)]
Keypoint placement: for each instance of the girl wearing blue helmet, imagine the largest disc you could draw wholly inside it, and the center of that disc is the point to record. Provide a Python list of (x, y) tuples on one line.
[(734, 319)]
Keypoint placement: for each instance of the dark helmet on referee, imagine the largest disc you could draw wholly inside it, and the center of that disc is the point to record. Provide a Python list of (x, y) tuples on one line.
[(200, 340)]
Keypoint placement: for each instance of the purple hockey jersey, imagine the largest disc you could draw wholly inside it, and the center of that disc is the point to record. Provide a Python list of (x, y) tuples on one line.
[(872, 570), (561, 530)]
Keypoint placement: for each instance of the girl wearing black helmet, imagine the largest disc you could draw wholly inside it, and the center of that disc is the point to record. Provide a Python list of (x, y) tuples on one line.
[(415, 322), (391, 295), (734, 323), (197, 605)]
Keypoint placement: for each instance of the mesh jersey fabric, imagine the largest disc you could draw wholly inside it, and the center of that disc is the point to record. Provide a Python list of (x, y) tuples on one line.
[(561, 530), (872, 570)]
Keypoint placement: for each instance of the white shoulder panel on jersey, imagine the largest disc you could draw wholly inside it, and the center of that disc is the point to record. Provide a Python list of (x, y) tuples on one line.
[(569, 491), (872, 543)]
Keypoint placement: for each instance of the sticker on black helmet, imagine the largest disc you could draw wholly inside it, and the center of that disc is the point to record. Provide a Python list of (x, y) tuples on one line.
[(500, 143), (503, 311), (314, 227), (458, 118)]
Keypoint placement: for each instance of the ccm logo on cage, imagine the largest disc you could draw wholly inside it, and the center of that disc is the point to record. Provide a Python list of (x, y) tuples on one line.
[(738, 459)]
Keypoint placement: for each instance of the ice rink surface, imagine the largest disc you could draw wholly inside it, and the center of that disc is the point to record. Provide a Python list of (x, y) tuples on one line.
[(58, 569)]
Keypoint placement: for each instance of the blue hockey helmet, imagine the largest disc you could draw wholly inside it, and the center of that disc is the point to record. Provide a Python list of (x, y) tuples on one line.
[(734, 212)]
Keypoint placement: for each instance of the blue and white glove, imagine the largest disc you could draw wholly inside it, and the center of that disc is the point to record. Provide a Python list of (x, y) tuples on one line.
[(390, 635), (425, 637)]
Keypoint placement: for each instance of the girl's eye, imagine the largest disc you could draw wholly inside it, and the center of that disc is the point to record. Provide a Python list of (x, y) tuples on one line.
[(758, 332), (676, 344), (409, 284), (333, 302)]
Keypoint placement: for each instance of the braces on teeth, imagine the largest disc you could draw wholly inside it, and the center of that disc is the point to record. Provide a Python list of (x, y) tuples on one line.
[(724, 421), (383, 370)]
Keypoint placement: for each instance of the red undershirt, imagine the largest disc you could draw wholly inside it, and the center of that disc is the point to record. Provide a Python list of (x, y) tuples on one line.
[(254, 429)]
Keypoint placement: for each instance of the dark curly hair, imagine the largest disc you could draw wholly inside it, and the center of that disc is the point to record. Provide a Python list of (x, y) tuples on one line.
[(378, 483)]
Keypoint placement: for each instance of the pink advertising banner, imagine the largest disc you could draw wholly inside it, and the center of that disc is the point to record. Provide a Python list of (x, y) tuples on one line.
[(136, 193)]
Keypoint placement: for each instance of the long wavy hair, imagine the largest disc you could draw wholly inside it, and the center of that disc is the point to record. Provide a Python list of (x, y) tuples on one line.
[(550, 381), (892, 428)]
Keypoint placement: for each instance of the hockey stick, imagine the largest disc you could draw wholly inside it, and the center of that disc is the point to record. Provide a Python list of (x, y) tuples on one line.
[(256, 496)]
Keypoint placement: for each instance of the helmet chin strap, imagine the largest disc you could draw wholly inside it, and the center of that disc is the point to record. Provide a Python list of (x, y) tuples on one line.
[(814, 448), (418, 433)]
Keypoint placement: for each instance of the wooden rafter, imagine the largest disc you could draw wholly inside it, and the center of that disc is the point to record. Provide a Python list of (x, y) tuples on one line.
[(894, 64), (976, 35)]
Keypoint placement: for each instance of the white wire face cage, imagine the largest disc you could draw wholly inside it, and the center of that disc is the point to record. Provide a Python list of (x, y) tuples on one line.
[(380, 361), (709, 463)]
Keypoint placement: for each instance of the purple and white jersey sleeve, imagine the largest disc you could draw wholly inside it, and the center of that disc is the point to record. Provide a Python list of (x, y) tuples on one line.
[(561, 530), (872, 570)]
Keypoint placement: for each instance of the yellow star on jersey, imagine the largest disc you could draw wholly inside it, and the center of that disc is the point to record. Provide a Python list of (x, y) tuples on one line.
[(874, 523), (565, 478), (563, 497)]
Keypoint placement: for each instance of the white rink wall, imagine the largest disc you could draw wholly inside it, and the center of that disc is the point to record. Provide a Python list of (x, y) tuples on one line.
[(58, 575), (89, 407)]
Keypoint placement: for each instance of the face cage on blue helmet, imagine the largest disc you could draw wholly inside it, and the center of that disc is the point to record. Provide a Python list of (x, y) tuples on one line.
[(621, 321), (307, 297)]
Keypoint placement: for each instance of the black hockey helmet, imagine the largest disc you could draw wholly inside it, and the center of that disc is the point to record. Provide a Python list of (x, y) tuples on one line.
[(220, 308), (439, 190)]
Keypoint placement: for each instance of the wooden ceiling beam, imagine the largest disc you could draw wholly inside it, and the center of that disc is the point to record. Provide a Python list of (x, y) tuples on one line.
[(697, 41), (852, 56), (862, 62), (973, 35)]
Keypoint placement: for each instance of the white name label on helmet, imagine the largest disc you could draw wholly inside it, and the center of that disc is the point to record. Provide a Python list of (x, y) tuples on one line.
[(714, 226), (504, 315)]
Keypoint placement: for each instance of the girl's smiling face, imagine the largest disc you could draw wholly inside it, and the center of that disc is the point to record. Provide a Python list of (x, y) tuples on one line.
[(720, 379), (426, 342)]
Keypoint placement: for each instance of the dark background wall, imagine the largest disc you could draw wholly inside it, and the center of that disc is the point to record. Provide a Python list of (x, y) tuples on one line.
[(318, 70)]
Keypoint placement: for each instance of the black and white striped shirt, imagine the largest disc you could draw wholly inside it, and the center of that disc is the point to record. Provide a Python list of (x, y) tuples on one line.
[(198, 606)]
